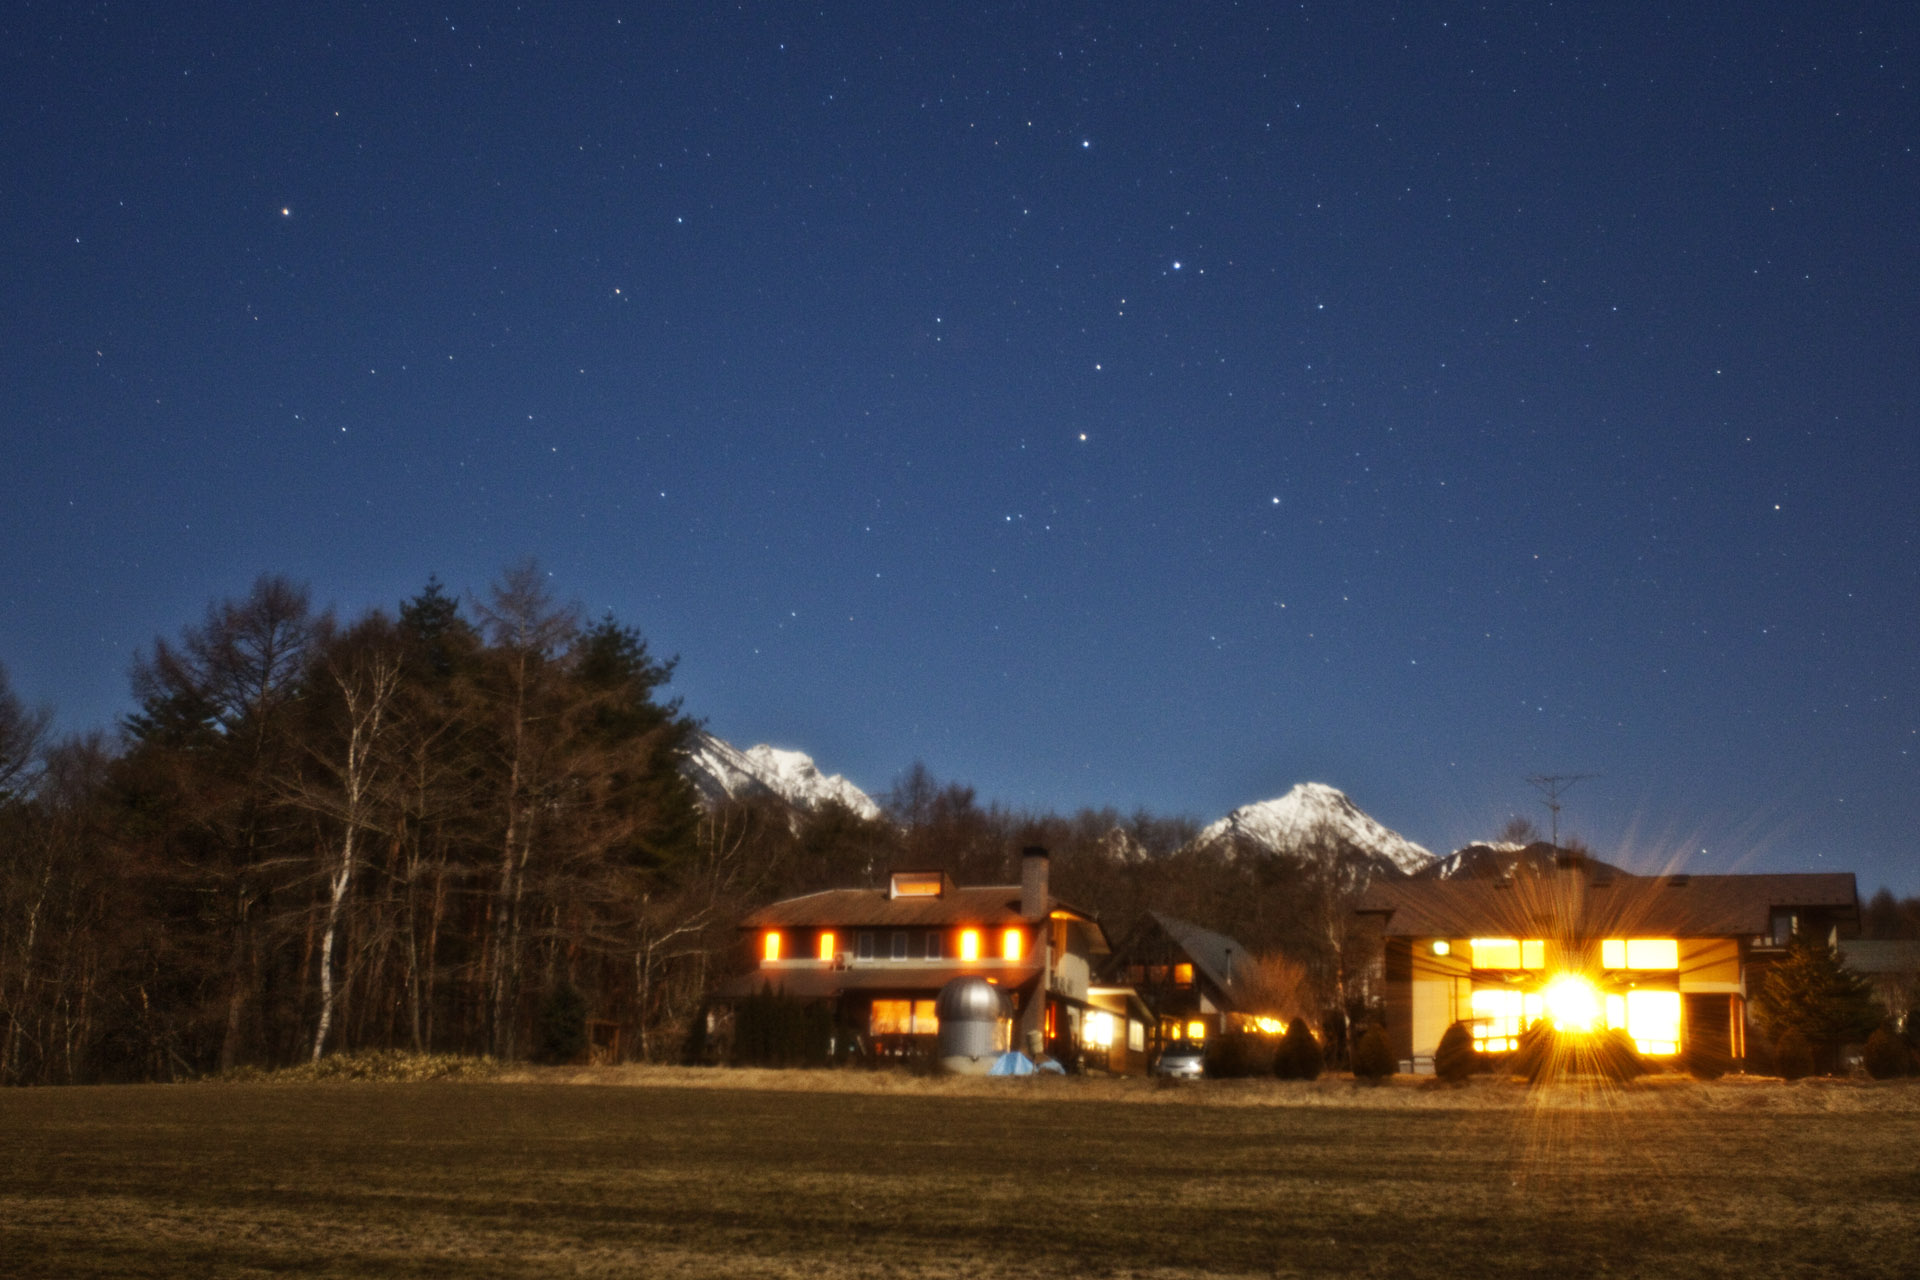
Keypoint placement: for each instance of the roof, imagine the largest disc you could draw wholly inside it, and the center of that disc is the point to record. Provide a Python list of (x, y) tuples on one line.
[(997, 904), (1595, 900), (1210, 952)]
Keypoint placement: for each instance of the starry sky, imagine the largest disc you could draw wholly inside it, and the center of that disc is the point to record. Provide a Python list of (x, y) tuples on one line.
[(1105, 404)]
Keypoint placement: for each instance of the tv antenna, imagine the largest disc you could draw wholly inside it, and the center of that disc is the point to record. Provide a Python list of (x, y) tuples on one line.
[(1552, 785)]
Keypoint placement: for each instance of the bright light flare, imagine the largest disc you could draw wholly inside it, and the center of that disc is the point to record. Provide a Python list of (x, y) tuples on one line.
[(1573, 1004)]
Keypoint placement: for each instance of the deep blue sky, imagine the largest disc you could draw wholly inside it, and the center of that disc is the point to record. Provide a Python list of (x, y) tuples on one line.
[(1108, 405)]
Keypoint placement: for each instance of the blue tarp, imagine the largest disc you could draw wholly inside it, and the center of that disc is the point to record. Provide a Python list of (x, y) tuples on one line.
[(1011, 1063)]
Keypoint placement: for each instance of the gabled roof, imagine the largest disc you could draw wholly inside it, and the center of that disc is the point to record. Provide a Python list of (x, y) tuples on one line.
[(1212, 953), (1593, 900)]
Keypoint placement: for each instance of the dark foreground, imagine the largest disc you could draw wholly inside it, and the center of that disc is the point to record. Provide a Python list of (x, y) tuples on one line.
[(555, 1180)]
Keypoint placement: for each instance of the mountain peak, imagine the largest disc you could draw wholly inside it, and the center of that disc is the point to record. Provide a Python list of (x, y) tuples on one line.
[(721, 771), (1310, 813)]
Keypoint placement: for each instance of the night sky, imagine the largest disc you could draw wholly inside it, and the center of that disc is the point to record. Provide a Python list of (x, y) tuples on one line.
[(1109, 404)]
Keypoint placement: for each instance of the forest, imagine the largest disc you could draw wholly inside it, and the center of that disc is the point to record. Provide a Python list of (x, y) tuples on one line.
[(429, 828)]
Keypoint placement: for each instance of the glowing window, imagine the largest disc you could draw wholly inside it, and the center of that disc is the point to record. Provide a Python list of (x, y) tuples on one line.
[(1497, 1013), (908, 884), (1495, 953), (1533, 953), (770, 945), (1098, 1030), (1136, 1036), (969, 944), (903, 1018), (1640, 953), (1653, 1020), (1196, 1030), (1010, 942), (827, 944), (1183, 975)]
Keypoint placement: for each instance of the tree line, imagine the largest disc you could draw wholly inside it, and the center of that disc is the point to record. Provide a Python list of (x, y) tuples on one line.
[(452, 827), (431, 828)]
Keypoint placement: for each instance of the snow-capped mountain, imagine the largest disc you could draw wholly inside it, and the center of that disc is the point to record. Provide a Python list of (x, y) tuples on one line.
[(1314, 813), (721, 771)]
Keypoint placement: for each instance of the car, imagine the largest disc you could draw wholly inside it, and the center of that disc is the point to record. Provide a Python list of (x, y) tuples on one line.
[(1185, 1061)]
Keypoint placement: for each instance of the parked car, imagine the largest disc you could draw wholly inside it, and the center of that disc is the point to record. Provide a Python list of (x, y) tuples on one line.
[(1180, 1062)]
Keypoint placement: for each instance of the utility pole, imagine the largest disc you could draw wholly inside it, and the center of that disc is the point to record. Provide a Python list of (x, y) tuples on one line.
[(1551, 785)]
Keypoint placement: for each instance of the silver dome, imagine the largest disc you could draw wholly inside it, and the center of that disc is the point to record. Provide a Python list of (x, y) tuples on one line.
[(972, 999)]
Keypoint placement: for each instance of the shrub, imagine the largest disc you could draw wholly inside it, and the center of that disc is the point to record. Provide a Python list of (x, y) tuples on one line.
[(1299, 1056), (1792, 1055), (1886, 1055), (1236, 1054), (563, 1025), (1372, 1058), (1455, 1059), (1611, 1055)]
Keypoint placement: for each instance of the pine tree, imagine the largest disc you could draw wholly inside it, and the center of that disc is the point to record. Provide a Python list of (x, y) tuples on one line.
[(1811, 992)]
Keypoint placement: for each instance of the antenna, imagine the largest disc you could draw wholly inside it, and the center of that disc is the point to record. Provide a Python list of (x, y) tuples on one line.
[(1551, 785)]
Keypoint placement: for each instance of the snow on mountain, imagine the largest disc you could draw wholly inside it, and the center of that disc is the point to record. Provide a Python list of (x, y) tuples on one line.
[(1314, 813), (721, 771)]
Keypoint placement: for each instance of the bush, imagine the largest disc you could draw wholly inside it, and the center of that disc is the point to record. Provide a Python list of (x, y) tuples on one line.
[(1611, 1055), (1792, 1055), (1372, 1058), (1233, 1055), (1299, 1056), (1886, 1055), (563, 1025), (1455, 1059), (772, 1029)]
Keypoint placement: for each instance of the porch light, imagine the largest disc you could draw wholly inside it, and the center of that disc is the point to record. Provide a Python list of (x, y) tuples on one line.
[(1441, 946)]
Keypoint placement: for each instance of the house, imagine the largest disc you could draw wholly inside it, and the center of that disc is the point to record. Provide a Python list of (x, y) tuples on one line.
[(1193, 981), (1515, 935), (882, 956)]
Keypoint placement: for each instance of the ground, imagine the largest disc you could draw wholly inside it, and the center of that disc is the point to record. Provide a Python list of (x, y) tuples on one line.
[(670, 1173)]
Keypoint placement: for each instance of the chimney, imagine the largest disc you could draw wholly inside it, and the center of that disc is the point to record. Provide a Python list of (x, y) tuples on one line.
[(1033, 882)]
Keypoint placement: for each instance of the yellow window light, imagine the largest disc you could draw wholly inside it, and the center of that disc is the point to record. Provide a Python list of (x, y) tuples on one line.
[(827, 944), (1508, 953), (1653, 953), (1098, 1030), (770, 945), (1653, 1020), (1183, 975), (1613, 953), (1196, 1030), (1533, 953), (1573, 1004), (1011, 943), (969, 944)]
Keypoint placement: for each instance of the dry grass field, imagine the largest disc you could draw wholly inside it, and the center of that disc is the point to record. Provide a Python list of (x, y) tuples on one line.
[(690, 1173)]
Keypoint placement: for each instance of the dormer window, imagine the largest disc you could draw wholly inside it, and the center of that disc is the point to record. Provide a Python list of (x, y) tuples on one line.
[(916, 884)]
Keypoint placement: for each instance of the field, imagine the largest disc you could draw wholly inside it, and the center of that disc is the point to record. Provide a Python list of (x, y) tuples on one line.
[(687, 1173)]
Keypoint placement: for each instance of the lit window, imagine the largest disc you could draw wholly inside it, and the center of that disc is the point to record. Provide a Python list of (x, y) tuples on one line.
[(1136, 1036), (909, 884), (1010, 944), (1099, 1030), (827, 943), (1183, 975), (892, 1018), (1653, 1020), (1497, 1013), (1533, 954), (1495, 953), (969, 944), (1196, 1030), (1640, 953), (924, 1021), (770, 945)]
